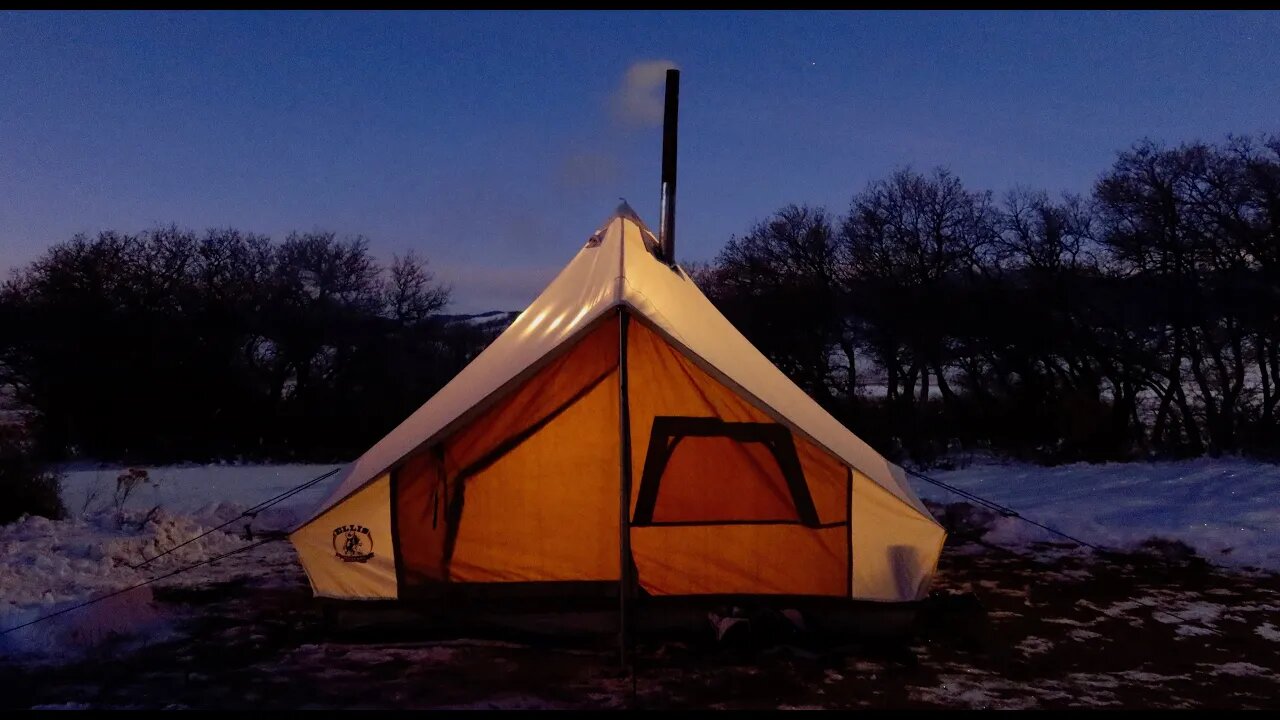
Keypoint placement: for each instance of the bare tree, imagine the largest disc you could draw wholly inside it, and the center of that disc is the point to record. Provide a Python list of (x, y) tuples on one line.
[(908, 239), (411, 292), (782, 283)]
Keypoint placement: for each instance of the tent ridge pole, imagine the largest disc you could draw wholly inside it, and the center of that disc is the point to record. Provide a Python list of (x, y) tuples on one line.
[(625, 581)]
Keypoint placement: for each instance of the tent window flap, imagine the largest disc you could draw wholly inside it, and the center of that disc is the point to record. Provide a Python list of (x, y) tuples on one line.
[(707, 471)]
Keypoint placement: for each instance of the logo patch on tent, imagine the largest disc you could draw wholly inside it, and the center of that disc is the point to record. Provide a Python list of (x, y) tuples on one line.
[(353, 543)]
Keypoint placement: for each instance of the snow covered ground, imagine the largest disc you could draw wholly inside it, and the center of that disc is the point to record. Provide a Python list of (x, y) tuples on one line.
[(46, 566), (1228, 510)]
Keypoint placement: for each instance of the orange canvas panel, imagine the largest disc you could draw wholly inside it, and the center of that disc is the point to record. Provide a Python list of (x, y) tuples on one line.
[(725, 485), (548, 509), (828, 480), (728, 559), (551, 390), (664, 383), (421, 507), (704, 477), (427, 506)]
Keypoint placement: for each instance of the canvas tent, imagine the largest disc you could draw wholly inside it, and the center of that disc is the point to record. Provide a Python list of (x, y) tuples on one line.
[(622, 419)]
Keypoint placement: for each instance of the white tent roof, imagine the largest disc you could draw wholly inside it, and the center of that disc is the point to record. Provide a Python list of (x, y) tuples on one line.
[(616, 268)]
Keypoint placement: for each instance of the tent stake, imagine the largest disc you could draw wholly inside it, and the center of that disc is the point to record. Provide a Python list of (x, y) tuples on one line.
[(624, 496)]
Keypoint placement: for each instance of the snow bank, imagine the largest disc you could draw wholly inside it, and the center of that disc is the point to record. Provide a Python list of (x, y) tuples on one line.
[(1228, 510), (46, 566), (200, 489)]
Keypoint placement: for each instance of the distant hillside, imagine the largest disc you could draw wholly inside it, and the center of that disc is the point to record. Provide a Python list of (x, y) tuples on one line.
[(493, 320)]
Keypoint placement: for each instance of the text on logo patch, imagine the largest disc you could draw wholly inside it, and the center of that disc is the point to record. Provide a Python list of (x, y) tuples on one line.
[(353, 543)]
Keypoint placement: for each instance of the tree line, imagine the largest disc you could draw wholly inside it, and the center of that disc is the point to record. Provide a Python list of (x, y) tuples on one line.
[(170, 345), (1141, 319)]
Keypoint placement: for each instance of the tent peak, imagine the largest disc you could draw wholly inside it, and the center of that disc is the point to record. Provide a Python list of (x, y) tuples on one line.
[(624, 211)]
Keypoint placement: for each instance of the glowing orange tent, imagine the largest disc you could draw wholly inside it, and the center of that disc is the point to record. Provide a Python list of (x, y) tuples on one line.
[(621, 428)]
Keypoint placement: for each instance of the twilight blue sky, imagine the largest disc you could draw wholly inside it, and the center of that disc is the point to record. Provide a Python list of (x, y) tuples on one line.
[(494, 143)]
